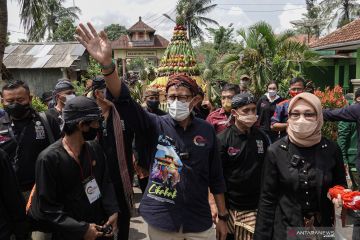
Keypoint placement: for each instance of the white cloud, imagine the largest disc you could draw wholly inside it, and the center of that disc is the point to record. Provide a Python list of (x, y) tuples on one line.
[(105, 12), (16, 32), (126, 12), (290, 13)]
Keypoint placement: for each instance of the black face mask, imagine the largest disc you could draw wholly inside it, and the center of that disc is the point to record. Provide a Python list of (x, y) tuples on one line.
[(91, 134), (153, 104), (17, 110)]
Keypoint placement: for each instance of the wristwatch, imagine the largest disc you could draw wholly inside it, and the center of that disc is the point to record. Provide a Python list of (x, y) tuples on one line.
[(224, 217)]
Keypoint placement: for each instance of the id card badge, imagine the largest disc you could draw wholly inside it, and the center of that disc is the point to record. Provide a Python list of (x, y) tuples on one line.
[(92, 189)]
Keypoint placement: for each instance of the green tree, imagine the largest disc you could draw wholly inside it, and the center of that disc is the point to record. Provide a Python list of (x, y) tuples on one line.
[(114, 31), (3, 29), (65, 31), (93, 69), (137, 64), (30, 14), (340, 12), (313, 22), (53, 13), (266, 56), (192, 14), (222, 38), (222, 43)]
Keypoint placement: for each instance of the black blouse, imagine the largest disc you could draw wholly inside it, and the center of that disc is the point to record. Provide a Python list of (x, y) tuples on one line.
[(265, 110), (284, 180)]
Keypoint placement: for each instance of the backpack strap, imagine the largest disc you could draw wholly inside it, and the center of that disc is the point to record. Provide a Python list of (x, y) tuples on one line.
[(45, 122)]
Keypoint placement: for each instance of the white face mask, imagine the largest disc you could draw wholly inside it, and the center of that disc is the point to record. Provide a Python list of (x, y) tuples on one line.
[(302, 127), (70, 96), (247, 120), (179, 111), (272, 93)]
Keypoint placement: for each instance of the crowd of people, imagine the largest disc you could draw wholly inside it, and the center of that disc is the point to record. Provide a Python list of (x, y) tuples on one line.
[(251, 169)]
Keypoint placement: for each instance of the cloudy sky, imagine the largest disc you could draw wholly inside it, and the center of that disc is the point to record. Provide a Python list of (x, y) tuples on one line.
[(241, 13)]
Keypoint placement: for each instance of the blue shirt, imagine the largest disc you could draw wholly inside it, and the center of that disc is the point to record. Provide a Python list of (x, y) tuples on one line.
[(183, 165), (281, 112)]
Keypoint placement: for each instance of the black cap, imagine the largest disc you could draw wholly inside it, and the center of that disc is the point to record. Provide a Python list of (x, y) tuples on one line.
[(81, 109), (46, 96), (242, 99), (63, 85), (98, 83)]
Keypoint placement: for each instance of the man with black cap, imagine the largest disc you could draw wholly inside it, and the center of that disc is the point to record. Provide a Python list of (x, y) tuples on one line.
[(47, 99), (74, 197), (181, 150), (24, 132), (63, 92), (152, 101), (242, 150)]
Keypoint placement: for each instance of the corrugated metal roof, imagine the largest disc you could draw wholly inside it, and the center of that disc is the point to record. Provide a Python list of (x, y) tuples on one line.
[(44, 51), (48, 55), (10, 49)]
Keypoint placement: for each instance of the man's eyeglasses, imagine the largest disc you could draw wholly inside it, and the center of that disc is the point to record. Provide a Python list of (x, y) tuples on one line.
[(297, 89), (181, 98), (307, 115)]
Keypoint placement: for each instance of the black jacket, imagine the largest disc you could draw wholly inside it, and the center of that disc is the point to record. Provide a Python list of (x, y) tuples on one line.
[(279, 205), (265, 110), (242, 158), (25, 139), (60, 204), (12, 202)]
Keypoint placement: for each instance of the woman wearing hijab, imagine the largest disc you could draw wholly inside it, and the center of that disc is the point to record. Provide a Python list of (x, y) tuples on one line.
[(265, 109), (299, 170)]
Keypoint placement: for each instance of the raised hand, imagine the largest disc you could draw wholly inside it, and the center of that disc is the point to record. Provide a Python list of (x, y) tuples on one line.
[(98, 45)]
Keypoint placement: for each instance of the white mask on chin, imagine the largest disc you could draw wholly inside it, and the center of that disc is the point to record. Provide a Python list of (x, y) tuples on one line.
[(179, 111)]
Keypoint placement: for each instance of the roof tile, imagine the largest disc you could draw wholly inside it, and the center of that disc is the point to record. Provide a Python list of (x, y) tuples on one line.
[(141, 26), (123, 42), (348, 33)]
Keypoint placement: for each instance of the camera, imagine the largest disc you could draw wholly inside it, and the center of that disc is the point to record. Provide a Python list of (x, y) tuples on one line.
[(106, 229)]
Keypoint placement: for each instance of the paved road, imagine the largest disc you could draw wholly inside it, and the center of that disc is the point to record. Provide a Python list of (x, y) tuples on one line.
[(138, 227)]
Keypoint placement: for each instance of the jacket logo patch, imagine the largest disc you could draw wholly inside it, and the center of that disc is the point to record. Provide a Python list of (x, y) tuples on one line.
[(260, 146), (200, 141), (39, 130), (233, 151), (4, 139)]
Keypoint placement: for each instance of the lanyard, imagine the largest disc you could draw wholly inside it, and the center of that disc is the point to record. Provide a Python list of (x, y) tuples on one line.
[(18, 139), (77, 160)]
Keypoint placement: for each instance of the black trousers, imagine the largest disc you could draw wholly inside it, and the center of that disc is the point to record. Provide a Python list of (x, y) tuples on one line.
[(143, 183), (124, 215)]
